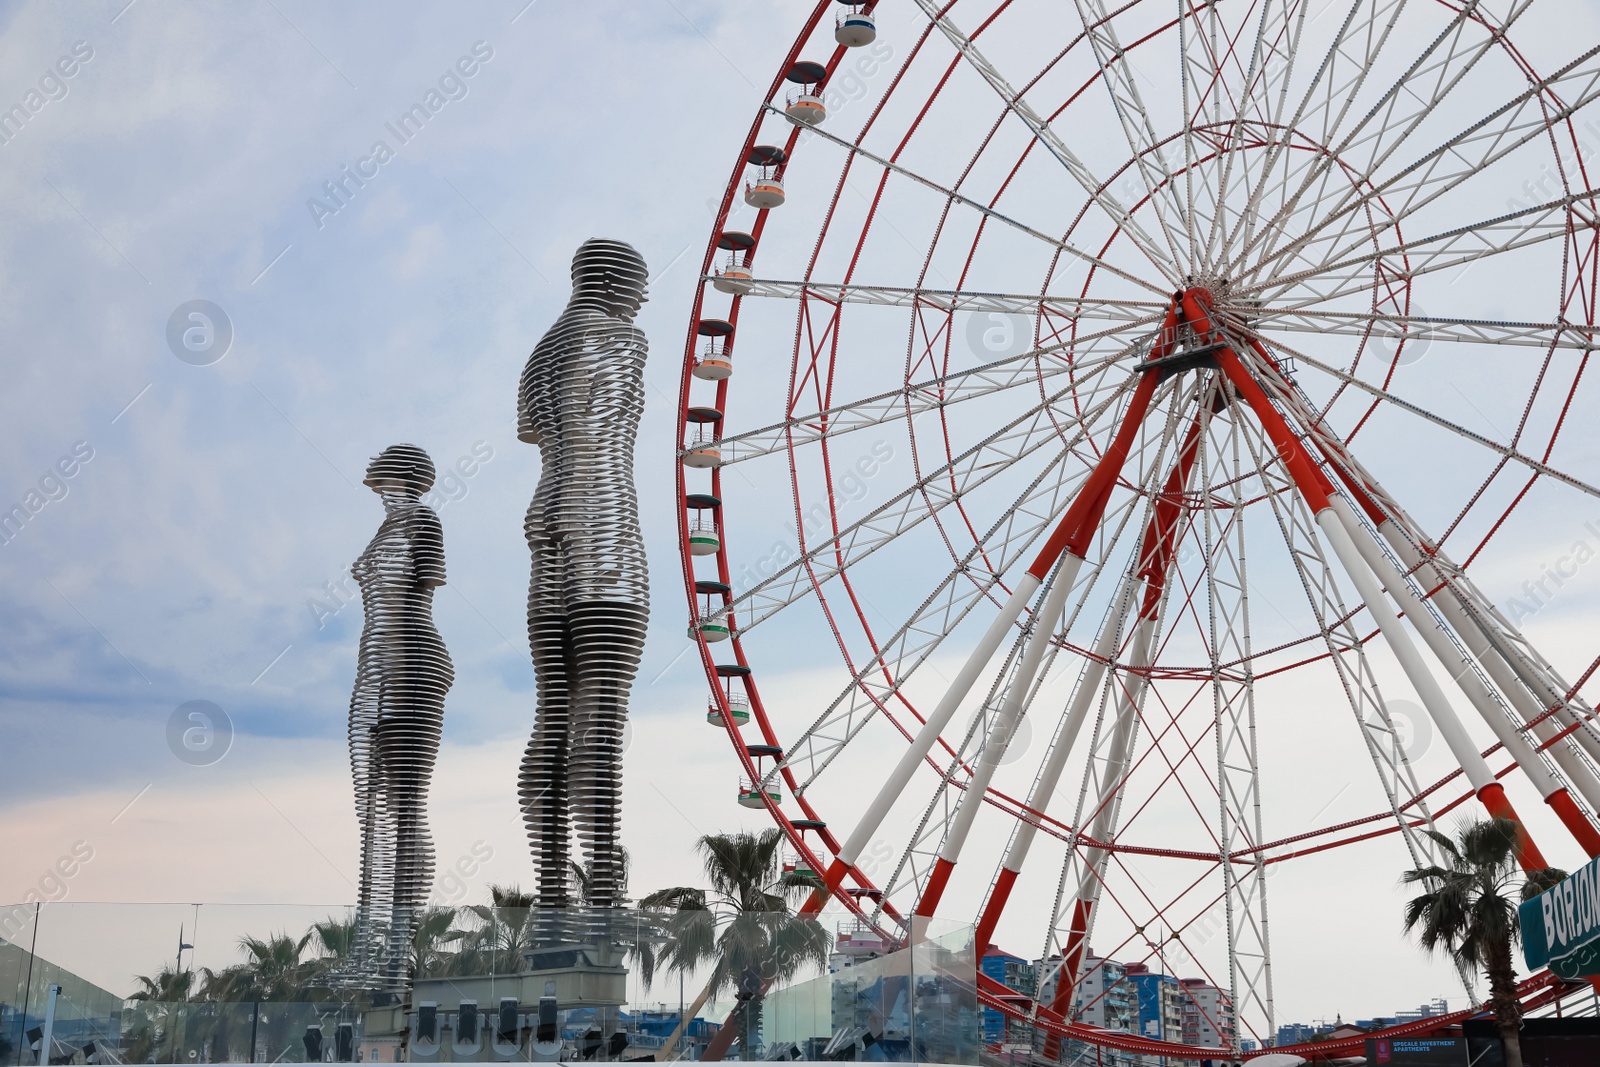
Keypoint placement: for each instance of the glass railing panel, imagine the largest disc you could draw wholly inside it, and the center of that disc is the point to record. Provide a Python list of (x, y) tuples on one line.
[(167, 983)]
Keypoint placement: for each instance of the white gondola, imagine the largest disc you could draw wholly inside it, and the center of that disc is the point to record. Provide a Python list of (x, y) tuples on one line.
[(854, 29), (763, 192), (751, 795), (794, 863), (713, 630), (738, 708), (703, 452), (806, 108), (714, 363), (861, 940), (733, 278), (703, 539)]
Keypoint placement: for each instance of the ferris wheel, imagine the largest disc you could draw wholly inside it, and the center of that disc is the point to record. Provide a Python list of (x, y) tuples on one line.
[(1096, 421)]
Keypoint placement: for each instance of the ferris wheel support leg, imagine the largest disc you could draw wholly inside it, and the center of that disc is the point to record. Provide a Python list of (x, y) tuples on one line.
[(1544, 727), (1318, 491), (1455, 663), (1071, 536), (999, 734), (1489, 791), (1451, 602), (1069, 543), (1129, 707), (923, 743), (1083, 699), (1157, 551)]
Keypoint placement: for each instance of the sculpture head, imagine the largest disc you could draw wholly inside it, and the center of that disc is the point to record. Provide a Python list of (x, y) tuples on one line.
[(611, 274), (404, 469)]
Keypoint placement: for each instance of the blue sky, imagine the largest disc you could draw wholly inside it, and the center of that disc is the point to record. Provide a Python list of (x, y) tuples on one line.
[(218, 503), (197, 551)]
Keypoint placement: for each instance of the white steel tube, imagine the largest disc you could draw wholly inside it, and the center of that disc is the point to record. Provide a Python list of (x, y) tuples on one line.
[(998, 738), (894, 785), (1499, 670), (1433, 698), (47, 1033), (1083, 699), (1129, 706), (1448, 654)]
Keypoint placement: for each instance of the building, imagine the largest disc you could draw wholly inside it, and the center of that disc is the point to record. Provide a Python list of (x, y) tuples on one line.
[(1208, 1017), (1015, 973), (1104, 997), (1108, 994), (1294, 1034), (1158, 1003)]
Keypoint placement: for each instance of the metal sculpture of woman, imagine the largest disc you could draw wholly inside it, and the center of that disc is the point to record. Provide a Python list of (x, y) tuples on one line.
[(580, 399), (397, 709)]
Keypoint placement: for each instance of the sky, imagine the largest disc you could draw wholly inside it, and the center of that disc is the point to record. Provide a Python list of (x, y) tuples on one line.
[(194, 503)]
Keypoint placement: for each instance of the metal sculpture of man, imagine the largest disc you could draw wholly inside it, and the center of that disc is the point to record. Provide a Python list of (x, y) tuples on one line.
[(396, 712), (580, 399)]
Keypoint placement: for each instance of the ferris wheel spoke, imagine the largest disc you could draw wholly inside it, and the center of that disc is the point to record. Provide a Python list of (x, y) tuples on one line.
[(1523, 120), (1460, 247), (1460, 431), (935, 490), (1097, 191), (1397, 113), (1138, 131), (1491, 237), (1007, 541), (1543, 335), (1263, 96), (1332, 90), (974, 580), (1094, 309), (1072, 250), (1027, 369)]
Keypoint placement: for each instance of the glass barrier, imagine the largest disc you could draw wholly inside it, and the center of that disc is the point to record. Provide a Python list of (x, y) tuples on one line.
[(917, 1004), (167, 983)]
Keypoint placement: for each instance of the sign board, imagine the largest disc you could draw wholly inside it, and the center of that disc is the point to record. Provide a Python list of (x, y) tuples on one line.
[(1416, 1052), (1561, 926)]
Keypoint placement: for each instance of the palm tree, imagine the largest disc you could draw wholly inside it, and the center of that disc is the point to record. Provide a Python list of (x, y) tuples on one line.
[(431, 946), (502, 933), (155, 1031), (1467, 913), (742, 927), (335, 941)]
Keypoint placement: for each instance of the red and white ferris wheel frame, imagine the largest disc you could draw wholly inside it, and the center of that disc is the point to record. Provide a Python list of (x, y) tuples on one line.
[(1392, 288)]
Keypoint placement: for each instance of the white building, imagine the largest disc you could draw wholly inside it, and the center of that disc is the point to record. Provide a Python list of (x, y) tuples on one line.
[(1208, 1017)]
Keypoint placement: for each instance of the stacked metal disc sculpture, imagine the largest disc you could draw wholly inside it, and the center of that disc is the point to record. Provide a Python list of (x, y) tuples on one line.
[(396, 715), (580, 400)]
